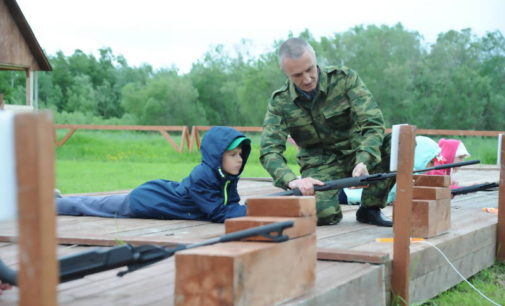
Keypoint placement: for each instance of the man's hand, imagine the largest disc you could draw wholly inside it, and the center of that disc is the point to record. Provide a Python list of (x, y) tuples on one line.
[(359, 170), (305, 185)]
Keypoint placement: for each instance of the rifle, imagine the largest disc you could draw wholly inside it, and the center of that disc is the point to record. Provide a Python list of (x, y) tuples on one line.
[(77, 266), (474, 188), (367, 179)]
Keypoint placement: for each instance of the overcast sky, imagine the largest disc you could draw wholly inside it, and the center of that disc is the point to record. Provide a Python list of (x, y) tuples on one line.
[(164, 33)]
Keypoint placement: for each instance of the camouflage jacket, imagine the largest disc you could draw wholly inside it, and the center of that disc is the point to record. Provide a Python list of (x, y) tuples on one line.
[(342, 121)]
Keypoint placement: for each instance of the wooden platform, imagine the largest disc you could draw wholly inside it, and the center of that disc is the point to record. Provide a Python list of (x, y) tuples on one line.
[(470, 245)]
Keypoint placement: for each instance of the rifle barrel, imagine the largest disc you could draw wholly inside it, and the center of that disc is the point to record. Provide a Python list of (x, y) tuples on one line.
[(474, 188), (447, 166), (366, 179)]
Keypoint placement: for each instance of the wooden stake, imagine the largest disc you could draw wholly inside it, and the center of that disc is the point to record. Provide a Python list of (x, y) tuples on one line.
[(1, 101), (29, 87), (38, 270), (402, 212), (500, 240)]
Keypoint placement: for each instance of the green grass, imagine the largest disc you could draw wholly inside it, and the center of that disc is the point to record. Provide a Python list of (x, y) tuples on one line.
[(483, 148), (94, 161), (491, 282)]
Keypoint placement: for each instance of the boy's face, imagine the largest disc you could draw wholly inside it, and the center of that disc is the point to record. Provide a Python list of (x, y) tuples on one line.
[(232, 161)]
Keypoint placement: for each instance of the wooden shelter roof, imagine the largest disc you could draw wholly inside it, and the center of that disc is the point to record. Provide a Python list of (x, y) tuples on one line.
[(20, 48)]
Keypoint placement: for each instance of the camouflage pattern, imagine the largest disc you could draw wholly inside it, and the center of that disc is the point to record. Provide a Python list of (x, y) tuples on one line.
[(340, 127), (377, 193)]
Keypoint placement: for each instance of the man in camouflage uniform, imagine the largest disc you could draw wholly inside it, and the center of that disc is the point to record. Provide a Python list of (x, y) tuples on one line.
[(333, 118)]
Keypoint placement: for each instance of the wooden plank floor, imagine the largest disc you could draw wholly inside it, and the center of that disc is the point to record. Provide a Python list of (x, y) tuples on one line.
[(470, 245)]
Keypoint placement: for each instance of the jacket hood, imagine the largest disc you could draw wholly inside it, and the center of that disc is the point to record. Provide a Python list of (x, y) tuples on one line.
[(215, 142), (426, 150), (449, 148)]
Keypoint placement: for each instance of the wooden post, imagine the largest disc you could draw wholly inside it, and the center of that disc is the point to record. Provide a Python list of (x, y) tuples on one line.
[(29, 86), (1, 101), (500, 240), (38, 270), (194, 138), (402, 212)]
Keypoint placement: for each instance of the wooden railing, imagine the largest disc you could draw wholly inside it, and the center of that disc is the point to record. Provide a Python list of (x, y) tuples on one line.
[(192, 140), (160, 128), (456, 132)]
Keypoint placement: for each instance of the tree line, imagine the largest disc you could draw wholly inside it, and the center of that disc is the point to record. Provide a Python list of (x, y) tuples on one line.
[(458, 82)]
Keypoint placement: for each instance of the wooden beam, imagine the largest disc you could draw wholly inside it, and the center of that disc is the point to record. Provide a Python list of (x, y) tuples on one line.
[(432, 180), (65, 138), (500, 241), (302, 226), (352, 255), (402, 213), (170, 128), (162, 129), (171, 141), (245, 273), (185, 138), (281, 206), (455, 132), (38, 271)]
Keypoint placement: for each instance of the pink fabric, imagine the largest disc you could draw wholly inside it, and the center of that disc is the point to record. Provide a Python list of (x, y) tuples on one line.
[(449, 148)]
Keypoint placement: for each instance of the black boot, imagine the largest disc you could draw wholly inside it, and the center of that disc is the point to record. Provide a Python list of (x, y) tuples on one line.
[(372, 215)]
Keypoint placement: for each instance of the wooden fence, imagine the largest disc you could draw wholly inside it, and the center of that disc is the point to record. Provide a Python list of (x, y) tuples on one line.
[(160, 128), (192, 140)]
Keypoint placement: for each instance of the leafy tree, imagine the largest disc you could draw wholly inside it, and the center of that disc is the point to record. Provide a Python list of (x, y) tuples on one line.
[(166, 99)]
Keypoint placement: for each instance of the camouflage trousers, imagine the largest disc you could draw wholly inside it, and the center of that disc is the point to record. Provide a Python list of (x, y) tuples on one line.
[(327, 167)]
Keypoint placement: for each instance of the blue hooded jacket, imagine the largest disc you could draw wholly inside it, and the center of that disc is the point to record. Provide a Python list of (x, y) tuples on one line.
[(207, 194)]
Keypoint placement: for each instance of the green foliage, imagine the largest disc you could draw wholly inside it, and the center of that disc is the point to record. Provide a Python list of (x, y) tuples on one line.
[(12, 86), (166, 99), (456, 83)]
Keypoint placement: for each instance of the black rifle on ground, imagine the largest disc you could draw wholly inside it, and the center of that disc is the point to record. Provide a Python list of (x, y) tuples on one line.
[(474, 188), (367, 179), (77, 266)]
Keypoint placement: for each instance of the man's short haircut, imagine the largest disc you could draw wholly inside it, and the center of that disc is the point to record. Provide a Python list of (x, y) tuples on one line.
[(293, 48)]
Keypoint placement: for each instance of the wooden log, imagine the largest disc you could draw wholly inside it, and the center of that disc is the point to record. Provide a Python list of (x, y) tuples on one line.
[(430, 217), (432, 180), (352, 255), (302, 226), (245, 273), (431, 193), (282, 206), (38, 271), (402, 212)]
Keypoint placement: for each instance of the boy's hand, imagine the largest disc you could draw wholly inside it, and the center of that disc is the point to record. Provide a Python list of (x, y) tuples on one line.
[(305, 185)]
